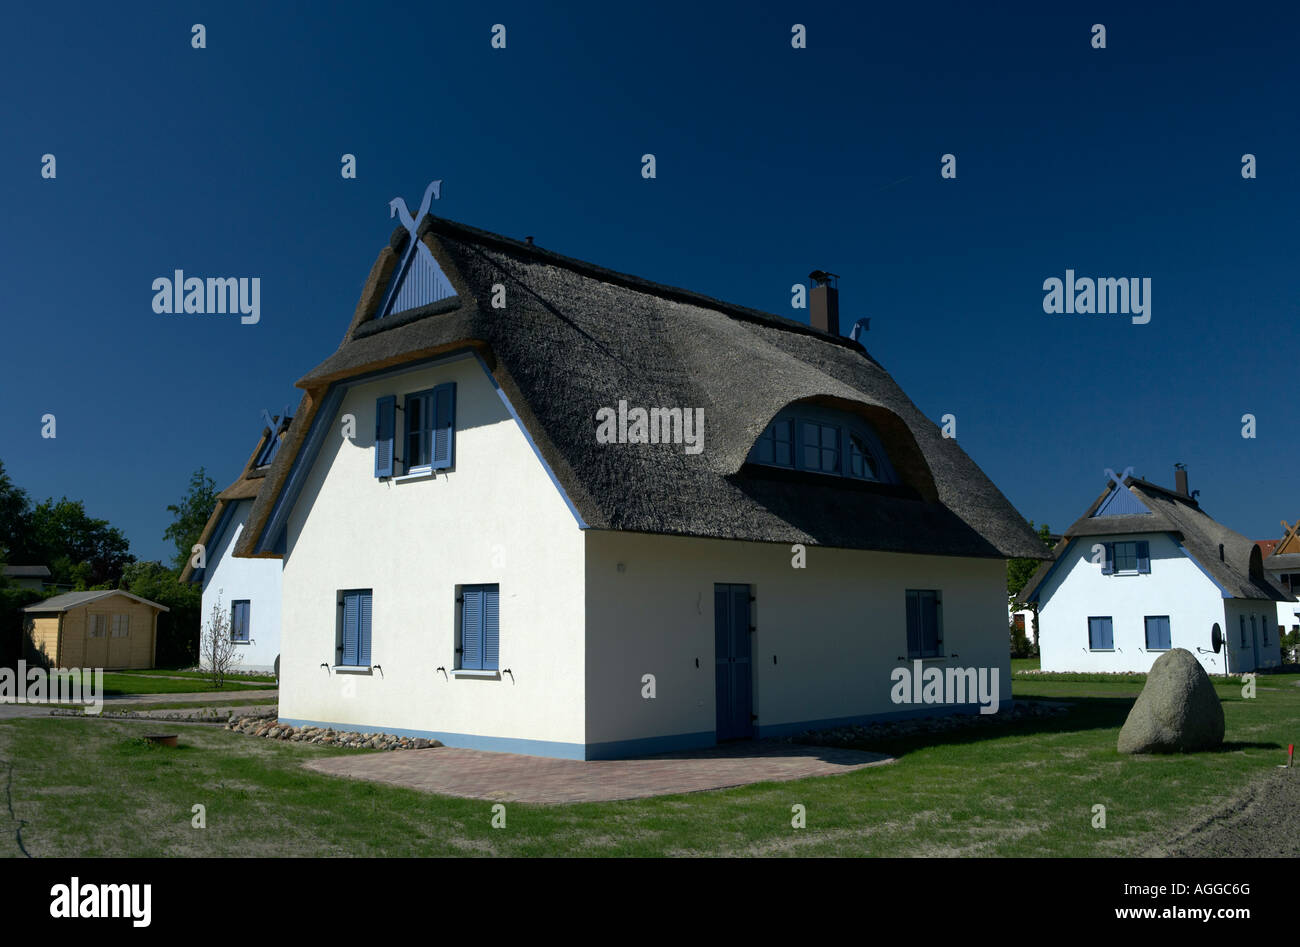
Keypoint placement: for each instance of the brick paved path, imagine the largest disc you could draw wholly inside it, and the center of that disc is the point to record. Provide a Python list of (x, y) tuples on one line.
[(509, 777)]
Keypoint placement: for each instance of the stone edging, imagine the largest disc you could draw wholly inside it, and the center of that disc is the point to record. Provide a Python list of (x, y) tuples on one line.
[(269, 726)]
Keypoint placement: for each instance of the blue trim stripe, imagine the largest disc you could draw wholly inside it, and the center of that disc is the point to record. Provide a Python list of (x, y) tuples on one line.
[(465, 741), (926, 710)]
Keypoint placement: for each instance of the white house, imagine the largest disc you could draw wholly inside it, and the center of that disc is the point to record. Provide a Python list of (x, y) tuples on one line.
[(247, 590), (533, 505), (1144, 570), (1282, 565)]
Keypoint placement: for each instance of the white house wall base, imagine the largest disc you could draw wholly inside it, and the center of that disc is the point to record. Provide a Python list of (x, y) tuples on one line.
[(826, 637)]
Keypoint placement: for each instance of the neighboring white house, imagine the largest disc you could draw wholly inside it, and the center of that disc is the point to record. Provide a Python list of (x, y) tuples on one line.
[(1146, 570), (1282, 564), (248, 590), (487, 541)]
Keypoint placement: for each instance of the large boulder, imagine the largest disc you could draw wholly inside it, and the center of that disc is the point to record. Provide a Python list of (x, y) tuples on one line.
[(1177, 711)]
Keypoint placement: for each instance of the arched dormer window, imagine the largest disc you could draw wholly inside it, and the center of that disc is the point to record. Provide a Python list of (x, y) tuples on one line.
[(817, 439)]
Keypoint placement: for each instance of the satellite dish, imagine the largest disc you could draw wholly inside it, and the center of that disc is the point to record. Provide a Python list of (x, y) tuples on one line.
[(1216, 638)]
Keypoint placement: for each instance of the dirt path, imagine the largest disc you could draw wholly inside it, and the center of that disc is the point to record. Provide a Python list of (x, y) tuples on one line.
[(1263, 822)]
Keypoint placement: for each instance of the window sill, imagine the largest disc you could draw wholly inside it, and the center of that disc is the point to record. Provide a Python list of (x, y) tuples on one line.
[(419, 473), (245, 643), (933, 657), (470, 672), (351, 668), (1101, 650)]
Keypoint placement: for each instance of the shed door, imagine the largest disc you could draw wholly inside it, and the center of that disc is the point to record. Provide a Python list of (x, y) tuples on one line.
[(96, 638), (735, 683)]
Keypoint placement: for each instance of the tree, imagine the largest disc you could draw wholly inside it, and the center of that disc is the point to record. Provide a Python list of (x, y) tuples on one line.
[(15, 506), (1020, 571), (77, 547), (220, 655), (191, 515)]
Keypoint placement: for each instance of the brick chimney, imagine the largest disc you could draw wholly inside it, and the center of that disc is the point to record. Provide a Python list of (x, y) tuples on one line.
[(1180, 479), (824, 302)]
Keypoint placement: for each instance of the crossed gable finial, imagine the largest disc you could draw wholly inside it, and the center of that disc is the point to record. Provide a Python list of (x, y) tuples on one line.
[(1119, 481)]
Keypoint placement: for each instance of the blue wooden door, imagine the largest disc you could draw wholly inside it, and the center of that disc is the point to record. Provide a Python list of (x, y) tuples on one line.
[(734, 672)]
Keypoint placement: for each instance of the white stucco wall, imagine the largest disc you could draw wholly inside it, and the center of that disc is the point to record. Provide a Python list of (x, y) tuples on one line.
[(837, 629), (258, 580), (1175, 587), (1264, 632), (495, 518)]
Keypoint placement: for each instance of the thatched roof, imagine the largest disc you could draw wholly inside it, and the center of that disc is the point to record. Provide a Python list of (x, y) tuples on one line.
[(1289, 562), (1239, 571), (246, 487), (575, 337)]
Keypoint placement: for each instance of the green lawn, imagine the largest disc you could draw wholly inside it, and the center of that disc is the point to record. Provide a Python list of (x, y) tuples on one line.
[(117, 683), (167, 672), (1023, 789)]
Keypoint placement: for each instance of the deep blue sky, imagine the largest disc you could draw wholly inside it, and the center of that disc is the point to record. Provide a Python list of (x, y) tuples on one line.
[(771, 162)]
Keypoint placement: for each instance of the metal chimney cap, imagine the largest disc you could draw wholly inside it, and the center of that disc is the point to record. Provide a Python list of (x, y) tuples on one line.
[(823, 278)]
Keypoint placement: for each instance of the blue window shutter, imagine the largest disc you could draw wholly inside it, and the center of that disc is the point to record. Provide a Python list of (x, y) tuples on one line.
[(913, 623), (363, 629), (471, 629), (1100, 634), (938, 623), (351, 628), (239, 623), (385, 429), (444, 425), (1108, 562), (491, 627), (1144, 556)]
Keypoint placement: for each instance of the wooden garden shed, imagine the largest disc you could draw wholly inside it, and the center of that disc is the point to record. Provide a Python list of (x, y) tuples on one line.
[(104, 629)]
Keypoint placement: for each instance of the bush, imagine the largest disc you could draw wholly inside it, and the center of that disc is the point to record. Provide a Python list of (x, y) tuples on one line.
[(13, 622), (1021, 646)]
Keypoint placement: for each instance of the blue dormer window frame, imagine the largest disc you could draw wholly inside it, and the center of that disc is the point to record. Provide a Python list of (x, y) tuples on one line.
[(823, 441), (269, 449)]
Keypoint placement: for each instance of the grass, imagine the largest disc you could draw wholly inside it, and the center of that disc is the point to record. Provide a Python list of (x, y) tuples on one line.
[(1019, 789), (117, 683), (168, 672)]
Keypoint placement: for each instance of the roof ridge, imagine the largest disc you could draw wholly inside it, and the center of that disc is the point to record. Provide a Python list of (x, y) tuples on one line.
[(446, 226)]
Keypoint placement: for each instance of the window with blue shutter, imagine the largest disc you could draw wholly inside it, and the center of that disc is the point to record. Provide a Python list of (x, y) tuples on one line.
[(1143, 556), (1243, 630), (354, 633), (239, 620), (480, 628), (924, 623), (417, 412), (1108, 561), (430, 428), (1158, 633), (385, 434), (1101, 635)]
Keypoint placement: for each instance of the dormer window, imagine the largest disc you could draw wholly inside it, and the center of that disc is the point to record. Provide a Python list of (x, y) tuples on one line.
[(775, 446), (825, 441), (268, 451)]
